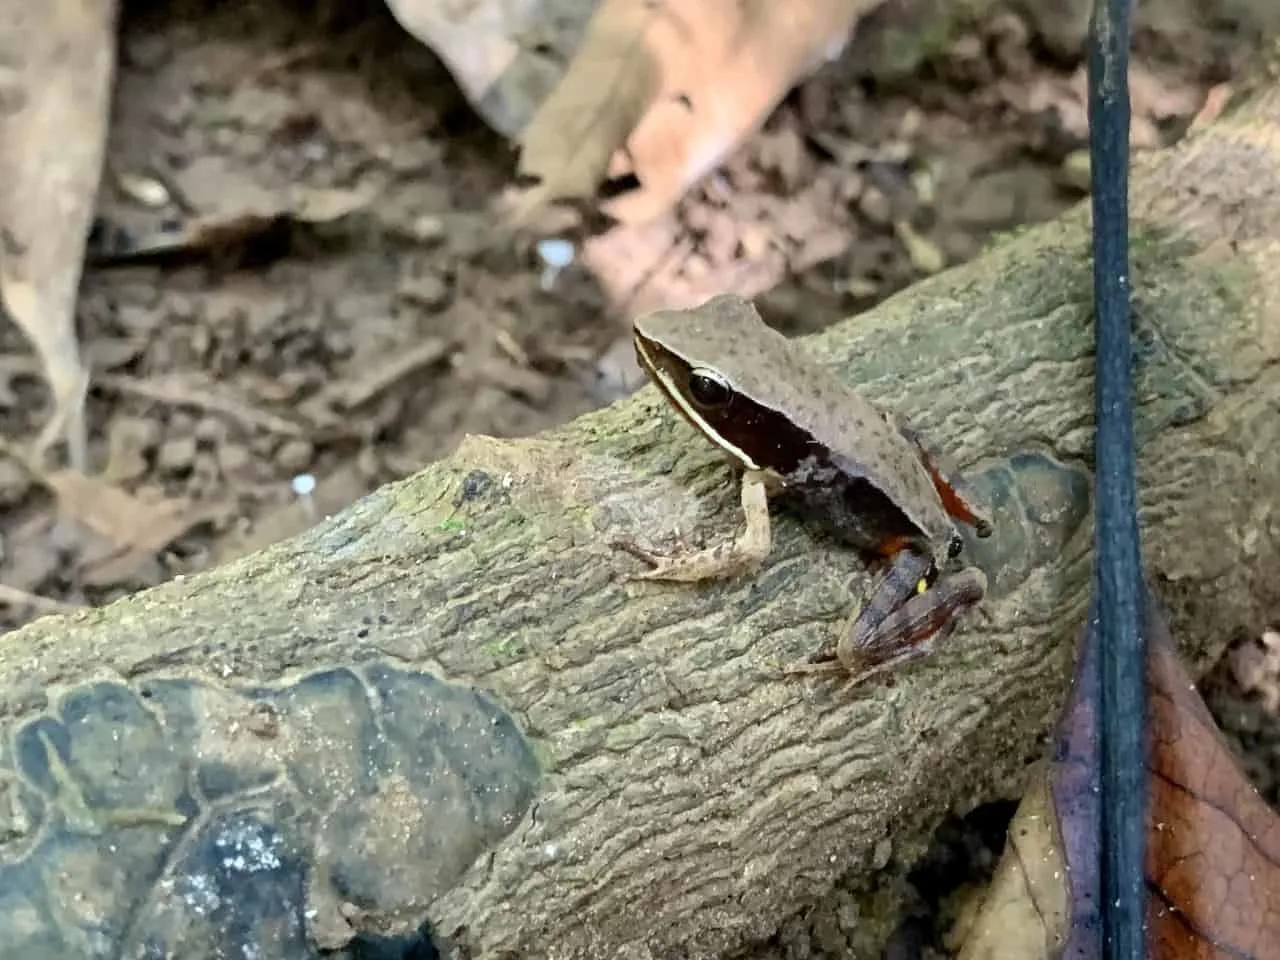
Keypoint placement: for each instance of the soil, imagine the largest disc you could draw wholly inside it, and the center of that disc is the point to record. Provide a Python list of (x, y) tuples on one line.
[(356, 348)]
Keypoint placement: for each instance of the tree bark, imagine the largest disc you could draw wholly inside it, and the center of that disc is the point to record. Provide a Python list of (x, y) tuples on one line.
[(663, 791)]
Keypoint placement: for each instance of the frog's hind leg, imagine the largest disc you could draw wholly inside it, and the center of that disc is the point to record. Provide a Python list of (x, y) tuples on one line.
[(871, 627), (957, 495), (869, 635), (906, 618)]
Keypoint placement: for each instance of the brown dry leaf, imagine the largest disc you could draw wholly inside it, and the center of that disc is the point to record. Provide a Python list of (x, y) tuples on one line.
[(1213, 844), (1256, 668), (1154, 99), (1215, 101), (135, 526), (57, 61), (666, 89), (609, 85), (1025, 908), (506, 55)]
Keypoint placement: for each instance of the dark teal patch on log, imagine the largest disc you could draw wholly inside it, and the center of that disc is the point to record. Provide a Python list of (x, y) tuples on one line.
[(1037, 504), (184, 817)]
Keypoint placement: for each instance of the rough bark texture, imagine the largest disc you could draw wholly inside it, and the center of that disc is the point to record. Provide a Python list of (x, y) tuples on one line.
[(690, 797)]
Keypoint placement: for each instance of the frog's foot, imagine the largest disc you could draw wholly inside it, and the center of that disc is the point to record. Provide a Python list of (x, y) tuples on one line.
[(957, 494), (906, 619), (854, 674), (809, 667), (743, 555)]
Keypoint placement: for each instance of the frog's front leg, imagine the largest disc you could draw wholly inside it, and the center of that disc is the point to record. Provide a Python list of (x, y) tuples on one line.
[(742, 555)]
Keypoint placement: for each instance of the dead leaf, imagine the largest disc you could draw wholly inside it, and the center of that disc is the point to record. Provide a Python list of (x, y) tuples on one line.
[(609, 85), (664, 91), (1213, 844), (653, 266), (1215, 101), (505, 56), (1256, 668), (58, 61), (1154, 100), (135, 526), (1213, 857)]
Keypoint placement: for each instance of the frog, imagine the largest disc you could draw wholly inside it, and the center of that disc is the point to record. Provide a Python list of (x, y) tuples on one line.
[(801, 435)]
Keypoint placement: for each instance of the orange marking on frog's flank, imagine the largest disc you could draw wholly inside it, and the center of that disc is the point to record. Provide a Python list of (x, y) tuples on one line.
[(955, 505), (892, 546)]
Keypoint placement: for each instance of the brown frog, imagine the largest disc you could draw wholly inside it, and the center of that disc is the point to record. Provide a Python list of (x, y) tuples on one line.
[(801, 433)]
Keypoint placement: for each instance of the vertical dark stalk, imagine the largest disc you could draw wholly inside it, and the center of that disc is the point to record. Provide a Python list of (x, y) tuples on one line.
[(1118, 583)]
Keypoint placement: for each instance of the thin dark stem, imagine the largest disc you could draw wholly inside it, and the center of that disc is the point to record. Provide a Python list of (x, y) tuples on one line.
[(1118, 564)]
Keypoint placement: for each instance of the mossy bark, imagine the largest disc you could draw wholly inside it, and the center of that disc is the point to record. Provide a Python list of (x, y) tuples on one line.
[(693, 798)]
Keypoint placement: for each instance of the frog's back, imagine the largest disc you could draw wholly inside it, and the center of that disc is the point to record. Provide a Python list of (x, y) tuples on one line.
[(848, 434)]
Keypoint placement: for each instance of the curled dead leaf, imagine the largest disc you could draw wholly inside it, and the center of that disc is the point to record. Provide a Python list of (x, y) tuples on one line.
[(59, 60), (664, 91)]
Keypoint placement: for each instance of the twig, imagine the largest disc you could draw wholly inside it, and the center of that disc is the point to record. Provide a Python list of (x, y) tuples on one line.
[(15, 597), (174, 392), (351, 394)]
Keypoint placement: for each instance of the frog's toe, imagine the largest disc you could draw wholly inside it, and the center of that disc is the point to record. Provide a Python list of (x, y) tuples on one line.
[(807, 668), (188, 817), (643, 554)]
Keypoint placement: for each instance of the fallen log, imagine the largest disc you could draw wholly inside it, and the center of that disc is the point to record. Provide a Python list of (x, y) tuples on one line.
[(448, 702)]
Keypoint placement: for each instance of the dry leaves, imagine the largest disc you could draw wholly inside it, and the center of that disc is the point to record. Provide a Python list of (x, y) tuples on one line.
[(57, 61), (506, 55), (1154, 100), (1213, 844), (135, 528), (664, 91), (1256, 668)]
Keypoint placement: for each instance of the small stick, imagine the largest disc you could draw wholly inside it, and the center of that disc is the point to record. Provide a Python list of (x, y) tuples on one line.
[(15, 597), (174, 392)]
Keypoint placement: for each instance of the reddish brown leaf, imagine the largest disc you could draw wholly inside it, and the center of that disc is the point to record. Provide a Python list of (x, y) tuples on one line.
[(1213, 844), (1213, 848)]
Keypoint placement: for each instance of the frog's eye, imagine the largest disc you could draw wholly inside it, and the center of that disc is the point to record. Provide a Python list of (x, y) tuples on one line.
[(709, 389), (955, 546)]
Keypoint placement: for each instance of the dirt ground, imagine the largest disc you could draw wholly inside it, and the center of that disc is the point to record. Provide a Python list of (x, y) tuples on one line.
[(359, 349)]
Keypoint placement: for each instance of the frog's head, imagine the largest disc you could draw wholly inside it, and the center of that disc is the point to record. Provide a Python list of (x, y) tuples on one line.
[(718, 365)]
